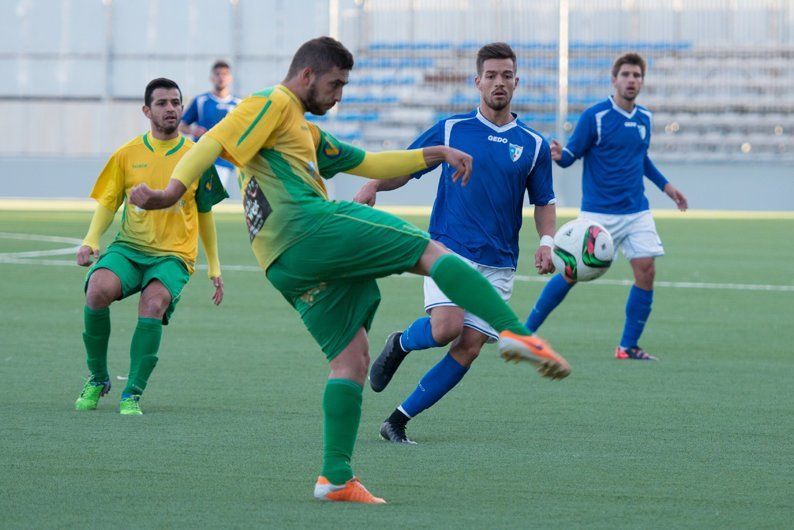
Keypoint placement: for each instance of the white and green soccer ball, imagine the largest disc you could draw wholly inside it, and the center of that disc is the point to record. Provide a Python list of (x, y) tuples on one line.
[(583, 250)]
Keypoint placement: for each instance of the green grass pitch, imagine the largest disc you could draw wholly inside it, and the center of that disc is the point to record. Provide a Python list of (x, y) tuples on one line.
[(231, 435)]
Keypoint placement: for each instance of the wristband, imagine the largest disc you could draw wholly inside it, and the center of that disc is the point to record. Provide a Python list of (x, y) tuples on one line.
[(547, 241)]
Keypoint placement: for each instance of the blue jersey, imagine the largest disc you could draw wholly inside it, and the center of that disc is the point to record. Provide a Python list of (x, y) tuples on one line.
[(614, 144), (206, 110), (481, 220)]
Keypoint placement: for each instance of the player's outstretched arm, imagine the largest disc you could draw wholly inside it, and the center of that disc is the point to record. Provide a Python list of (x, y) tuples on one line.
[(390, 164), (187, 171), (368, 192), (209, 240), (89, 251)]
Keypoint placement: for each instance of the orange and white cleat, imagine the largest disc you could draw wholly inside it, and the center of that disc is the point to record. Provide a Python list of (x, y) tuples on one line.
[(351, 491), (534, 350)]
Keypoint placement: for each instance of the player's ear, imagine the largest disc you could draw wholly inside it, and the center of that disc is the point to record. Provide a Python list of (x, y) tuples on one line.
[(306, 76), (515, 81), (147, 111)]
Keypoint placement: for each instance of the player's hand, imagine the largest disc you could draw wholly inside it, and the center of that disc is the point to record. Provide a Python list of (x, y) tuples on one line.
[(197, 130), (217, 296), (543, 262), (462, 162), (143, 196), (86, 255), (678, 197), (556, 150), (367, 194)]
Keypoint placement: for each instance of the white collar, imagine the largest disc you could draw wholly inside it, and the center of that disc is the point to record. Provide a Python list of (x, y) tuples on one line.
[(617, 108), (227, 99), (497, 128)]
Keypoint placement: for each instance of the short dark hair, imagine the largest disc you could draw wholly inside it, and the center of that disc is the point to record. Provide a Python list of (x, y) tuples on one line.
[(154, 84), (321, 55), (495, 50), (628, 58), (220, 64)]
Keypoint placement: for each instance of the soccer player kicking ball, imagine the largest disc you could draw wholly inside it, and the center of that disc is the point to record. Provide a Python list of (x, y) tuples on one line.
[(323, 256), (154, 252), (613, 138), (479, 223)]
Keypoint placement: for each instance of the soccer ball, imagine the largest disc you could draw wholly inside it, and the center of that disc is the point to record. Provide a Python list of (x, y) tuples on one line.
[(583, 250)]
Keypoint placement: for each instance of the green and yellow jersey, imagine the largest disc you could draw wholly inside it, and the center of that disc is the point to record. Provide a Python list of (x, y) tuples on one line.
[(173, 231), (282, 160)]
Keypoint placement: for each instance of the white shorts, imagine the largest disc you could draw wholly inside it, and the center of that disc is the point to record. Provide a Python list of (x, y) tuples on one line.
[(226, 174), (634, 233), (502, 280)]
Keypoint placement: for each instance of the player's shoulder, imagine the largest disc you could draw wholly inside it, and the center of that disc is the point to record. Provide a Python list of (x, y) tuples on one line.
[(188, 142), (645, 111), (133, 144), (528, 131)]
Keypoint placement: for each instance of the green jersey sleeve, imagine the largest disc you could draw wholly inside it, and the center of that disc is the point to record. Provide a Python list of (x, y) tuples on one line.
[(335, 157), (210, 191)]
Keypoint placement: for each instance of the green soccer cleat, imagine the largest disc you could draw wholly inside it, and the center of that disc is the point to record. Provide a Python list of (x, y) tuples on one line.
[(130, 405), (89, 396)]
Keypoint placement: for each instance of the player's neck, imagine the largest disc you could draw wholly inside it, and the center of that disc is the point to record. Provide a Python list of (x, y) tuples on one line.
[(222, 94), (497, 117), (625, 104), (158, 134)]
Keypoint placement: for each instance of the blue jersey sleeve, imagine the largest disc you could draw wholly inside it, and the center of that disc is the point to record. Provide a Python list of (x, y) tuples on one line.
[(540, 185), (580, 141), (191, 114), (653, 174), (431, 137)]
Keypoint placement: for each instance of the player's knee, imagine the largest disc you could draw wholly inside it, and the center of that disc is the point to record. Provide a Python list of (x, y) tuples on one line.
[(446, 330), (646, 274), (154, 306), (97, 297), (466, 354)]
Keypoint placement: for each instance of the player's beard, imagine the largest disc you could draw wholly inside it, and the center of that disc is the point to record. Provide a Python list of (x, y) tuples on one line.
[(497, 106), (311, 103), (166, 128)]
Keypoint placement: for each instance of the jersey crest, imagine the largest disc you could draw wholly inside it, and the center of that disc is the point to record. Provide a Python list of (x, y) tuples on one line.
[(515, 152)]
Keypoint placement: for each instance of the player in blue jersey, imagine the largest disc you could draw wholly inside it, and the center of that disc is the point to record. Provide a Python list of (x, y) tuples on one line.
[(480, 223), (208, 109), (613, 137)]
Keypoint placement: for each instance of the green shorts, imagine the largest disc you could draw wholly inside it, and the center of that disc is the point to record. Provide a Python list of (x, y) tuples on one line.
[(329, 276), (136, 269)]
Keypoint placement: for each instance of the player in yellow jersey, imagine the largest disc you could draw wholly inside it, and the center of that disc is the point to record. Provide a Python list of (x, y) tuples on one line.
[(324, 256), (154, 252)]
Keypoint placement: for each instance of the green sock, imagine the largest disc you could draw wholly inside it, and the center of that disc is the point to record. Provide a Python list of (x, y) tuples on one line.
[(470, 290), (342, 412), (95, 338), (143, 353)]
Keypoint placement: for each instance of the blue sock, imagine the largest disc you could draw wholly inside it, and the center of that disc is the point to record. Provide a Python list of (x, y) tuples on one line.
[(436, 382), (638, 308), (550, 298), (418, 336)]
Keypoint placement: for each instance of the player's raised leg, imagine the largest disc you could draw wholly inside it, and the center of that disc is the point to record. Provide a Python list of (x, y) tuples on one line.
[(638, 309), (469, 289), (342, 414), (102, 289)]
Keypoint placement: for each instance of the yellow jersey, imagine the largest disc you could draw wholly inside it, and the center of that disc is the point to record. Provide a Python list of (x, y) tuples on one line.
[(282, 160), (172, 231)]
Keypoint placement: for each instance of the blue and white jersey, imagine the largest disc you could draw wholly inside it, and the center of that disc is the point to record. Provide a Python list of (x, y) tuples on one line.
[(206, 110), (614, 145), (480, 221)]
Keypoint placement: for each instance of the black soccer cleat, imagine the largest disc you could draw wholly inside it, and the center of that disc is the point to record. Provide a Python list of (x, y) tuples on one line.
[(395, 433), (386, 364)]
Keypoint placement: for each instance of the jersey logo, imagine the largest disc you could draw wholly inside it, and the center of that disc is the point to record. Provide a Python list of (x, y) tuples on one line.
[(516, 151), (641, 128), (257, 209), (140, 166), (330, 150), (497, 139)]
